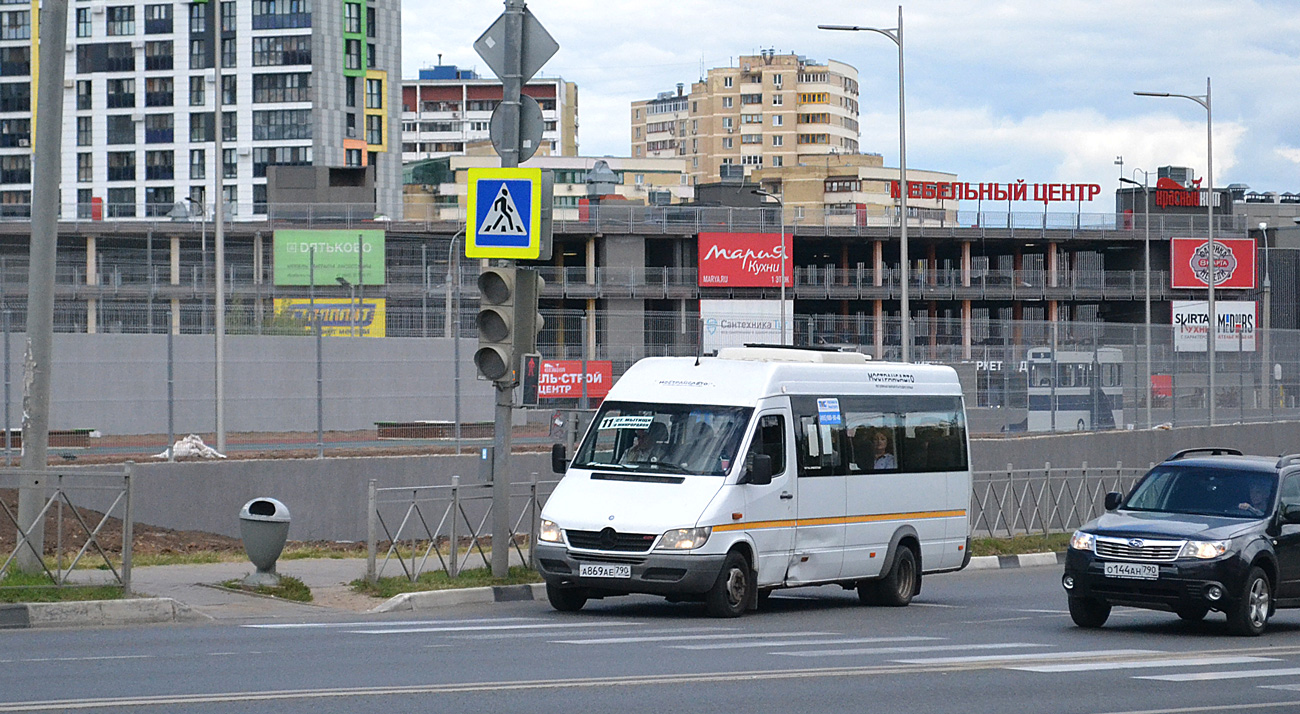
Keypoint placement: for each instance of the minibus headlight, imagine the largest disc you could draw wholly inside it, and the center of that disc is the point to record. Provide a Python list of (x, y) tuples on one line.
[(1082, 541), (684, 538), (549, 532), (1203, 549)]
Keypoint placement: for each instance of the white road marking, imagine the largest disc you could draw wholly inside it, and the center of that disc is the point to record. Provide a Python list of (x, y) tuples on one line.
[(1142, 663), (390, 623), (74, 659), (484, 628), (937, 604), (920, 648), (801, 643), (1238, 674), (657, 631), (1037, 655), (679, 638)]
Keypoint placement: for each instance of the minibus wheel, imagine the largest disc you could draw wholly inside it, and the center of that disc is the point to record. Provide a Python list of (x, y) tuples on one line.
[(566, 599), (731, 592), (897, 587)]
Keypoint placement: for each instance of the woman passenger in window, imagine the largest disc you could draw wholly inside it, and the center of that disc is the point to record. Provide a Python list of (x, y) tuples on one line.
[(883, 451)]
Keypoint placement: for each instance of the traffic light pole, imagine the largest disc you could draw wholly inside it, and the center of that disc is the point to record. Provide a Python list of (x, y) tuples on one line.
[(511, 88)]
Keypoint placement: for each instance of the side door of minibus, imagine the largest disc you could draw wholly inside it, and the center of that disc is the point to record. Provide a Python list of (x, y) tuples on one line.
[(770, 509), (821, 482)]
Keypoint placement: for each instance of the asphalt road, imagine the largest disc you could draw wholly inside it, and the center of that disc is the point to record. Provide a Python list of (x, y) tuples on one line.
[(973, 642)]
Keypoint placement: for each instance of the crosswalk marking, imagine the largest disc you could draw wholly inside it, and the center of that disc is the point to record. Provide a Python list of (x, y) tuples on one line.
[(1036, 655), (800, 643), (1238, 674), (1141, 664), (921, 648), (678, 638)]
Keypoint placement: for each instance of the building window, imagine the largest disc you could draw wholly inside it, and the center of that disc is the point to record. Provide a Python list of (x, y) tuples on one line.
[(84, 197), (229, 126), (374, 94), (198, 91), (778, 100), (283, 50), (121, 202), (15, 133), (121, 93), (201, 127), (726, 102), (198, 165), (352, 18), (777, 162), (158, 55), (751, 118), (121, 166), (290, 87), (751, 138), (229, 163), (228, 17), (200, 58), (121, 21), (85, 131), (751, 99), (841, 185), (159, 128), (727, 123), (351, 54), (374, 129), (352, 157), (350, 91), (280, 14), (728, 143), (778, 140), (15, 97), (371, 53), (83, 22), (778, 80), (15, 61), (16, 168), (159, 166), (279, 156), (228, 52), (121, 129), (157, 19), (752, 160), (778, 120), (158, 92), (726, 82), (229, 89), (281, 124), (159, 200), (16, 25), (85, 95), (198, 18)]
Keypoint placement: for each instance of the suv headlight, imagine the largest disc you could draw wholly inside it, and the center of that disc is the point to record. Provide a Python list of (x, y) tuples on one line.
[(1082, 541), (684, 538), (1204, 549), (549, 532)]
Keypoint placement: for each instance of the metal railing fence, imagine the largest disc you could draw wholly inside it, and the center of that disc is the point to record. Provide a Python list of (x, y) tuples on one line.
[(61, 487), (1047, 500)]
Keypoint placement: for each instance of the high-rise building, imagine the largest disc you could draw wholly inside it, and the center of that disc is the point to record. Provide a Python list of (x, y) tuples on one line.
[(303, 83), (769, 110), (448, 110)]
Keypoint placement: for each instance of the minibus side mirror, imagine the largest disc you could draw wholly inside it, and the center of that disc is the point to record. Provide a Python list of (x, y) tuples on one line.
[(559, 463), (1113, 500), (760, 471)]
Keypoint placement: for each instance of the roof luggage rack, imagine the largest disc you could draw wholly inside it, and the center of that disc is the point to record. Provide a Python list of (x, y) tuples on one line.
[(1208, 450)]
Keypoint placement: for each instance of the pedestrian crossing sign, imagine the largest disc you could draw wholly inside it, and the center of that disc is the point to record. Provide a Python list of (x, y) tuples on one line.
[(505, 214)]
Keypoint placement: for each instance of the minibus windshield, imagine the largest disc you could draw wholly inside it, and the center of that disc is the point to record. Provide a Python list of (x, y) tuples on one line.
[(663, 438)]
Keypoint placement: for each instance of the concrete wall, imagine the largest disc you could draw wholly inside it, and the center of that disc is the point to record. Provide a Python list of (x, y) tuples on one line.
[(118, 383)]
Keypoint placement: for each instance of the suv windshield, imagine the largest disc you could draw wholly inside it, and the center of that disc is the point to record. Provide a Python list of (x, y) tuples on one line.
[(1204, 491), (672, 438)]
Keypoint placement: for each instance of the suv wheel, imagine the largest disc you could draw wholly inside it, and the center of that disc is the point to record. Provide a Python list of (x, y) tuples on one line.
[(1089, 612), (1249, 615)]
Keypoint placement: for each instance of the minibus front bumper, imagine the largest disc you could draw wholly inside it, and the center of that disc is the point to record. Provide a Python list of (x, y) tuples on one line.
[(655, 573)]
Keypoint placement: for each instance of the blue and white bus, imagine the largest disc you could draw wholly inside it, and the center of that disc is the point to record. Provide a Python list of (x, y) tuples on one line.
[(1075, 389)]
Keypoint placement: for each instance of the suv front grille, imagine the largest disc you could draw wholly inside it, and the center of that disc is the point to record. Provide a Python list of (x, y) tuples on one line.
[(1140, 549), (610, 539)]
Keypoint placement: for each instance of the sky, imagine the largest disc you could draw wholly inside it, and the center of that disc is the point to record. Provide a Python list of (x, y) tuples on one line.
[(996, 90)]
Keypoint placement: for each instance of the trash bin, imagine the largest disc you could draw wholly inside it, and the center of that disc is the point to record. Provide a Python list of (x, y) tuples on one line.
[(264, 527)]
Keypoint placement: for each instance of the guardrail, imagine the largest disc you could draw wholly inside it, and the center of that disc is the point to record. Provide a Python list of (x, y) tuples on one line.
[(1047, 500), (62, 486), (431, 522)]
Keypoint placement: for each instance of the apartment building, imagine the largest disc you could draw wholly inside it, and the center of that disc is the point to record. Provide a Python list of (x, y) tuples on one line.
[(767, 111), (852, 189), (303, 83), (448, 110)]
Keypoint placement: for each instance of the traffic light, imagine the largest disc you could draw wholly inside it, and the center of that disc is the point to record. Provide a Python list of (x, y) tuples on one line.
[(495, 357), (508, 321)]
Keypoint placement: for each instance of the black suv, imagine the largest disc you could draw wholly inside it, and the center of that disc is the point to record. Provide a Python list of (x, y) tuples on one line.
[(1208, 529)]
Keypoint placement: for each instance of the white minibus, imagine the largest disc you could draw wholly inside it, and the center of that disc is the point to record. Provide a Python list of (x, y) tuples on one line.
[(721, 479)]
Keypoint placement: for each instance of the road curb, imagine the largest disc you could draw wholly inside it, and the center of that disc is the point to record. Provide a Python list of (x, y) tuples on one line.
[(1024, 560), (462, 596), (97, 613)]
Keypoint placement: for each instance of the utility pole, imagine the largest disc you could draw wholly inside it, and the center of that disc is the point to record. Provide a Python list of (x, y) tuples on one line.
[(40, 280)]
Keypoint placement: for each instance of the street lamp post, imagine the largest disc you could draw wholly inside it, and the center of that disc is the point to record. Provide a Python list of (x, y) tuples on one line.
[(1146, 269), (453, 269), (896, 35), (785, 317), (1212, 332)]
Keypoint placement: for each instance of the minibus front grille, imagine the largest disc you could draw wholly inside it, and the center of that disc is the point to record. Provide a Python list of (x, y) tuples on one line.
[(598, 558), (610, 539)]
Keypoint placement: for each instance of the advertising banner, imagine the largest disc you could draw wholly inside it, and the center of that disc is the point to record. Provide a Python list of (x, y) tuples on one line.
[(1234, 263), (745, 260), (335, 257), (562, 379), (1236, 325), (339, 317), (735, 323)]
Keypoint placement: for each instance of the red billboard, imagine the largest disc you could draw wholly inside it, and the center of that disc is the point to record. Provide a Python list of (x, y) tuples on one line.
[(1234, 263), (745, 260), (562, 379)]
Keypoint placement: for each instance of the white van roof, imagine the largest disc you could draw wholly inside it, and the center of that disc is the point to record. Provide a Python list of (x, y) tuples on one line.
[(743, 376)]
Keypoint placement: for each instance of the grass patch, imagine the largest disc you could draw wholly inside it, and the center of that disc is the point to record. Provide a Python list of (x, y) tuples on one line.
[(1016, 545), (438, 580), (290, 588), (37, 587)]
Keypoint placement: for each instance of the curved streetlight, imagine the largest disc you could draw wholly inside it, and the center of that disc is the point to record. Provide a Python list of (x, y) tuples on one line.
[(1212, 332), (896, 35), (781, 204)]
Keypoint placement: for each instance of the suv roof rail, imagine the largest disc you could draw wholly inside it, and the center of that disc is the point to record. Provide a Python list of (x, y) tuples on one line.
[(1209, 450), (1288, 460)]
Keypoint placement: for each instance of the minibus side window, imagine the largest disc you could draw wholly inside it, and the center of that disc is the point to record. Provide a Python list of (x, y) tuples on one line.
[(933, 437), (820, 446), (769, 438)]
